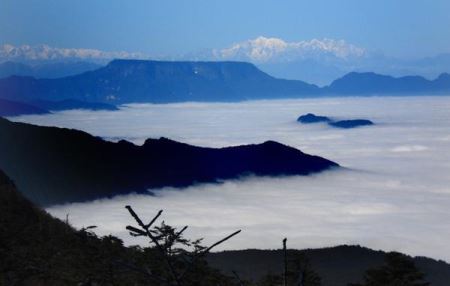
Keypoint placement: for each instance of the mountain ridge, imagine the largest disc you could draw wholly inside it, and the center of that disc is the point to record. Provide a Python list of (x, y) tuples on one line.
[(58, 165), (337, 265), (144, 81)]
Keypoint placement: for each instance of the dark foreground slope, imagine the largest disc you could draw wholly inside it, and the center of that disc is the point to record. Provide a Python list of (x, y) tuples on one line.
[(55, 165), (125, 81), (37, 249), (336, 266)]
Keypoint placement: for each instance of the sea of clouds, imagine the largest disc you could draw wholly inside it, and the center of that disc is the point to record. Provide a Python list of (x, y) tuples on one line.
[(394, 194)]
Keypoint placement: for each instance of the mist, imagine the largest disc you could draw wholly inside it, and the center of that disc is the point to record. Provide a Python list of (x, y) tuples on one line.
[(394, 193)]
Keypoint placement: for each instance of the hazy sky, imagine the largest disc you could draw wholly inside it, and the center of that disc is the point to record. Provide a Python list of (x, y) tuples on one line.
[(410, 28)]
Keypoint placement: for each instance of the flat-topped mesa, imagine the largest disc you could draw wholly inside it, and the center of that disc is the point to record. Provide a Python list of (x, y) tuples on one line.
[(127, 81), (56, 165)]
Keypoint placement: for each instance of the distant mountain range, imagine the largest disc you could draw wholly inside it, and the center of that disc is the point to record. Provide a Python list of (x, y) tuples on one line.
[(54, 165), (46, 69), (125, 81), (371, 83), (128, 81), (317, 61)]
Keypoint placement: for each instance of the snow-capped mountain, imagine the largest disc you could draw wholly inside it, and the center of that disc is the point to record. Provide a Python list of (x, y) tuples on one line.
[(46, 53), (264, 50)]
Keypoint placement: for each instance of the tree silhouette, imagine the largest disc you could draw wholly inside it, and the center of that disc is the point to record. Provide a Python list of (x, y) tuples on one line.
[(180, 261), (398, 270), (299, 273)]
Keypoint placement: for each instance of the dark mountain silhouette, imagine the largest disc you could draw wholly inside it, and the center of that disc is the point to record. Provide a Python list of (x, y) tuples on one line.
[(337, 266), (14, 108), (124, 81), (68, 104), (312, 118), (45, 69), (371, 83), (54, 165), (350, 123)]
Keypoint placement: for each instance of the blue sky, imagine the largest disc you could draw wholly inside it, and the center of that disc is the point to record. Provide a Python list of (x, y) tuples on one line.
[(408, 28)]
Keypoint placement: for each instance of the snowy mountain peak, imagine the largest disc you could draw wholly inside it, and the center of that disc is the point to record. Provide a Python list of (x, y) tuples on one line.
[(47, 53), (263, 49)]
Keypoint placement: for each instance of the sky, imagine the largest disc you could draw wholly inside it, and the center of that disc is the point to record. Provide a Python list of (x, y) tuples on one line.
[(394, 194), (406, 28)]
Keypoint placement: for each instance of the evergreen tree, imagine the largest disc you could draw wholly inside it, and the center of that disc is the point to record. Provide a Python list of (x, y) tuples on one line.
[(398, 270), (300, 273)]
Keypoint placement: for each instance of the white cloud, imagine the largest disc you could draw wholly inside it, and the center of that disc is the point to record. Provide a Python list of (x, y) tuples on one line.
[(264, 49), (409, 148), (387, 200)]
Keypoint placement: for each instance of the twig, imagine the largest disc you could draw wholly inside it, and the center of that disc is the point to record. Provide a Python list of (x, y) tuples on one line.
[(203, 253), (238, 278)]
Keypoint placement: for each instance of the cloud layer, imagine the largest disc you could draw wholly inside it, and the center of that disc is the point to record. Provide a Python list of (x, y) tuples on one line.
[(394, 195)]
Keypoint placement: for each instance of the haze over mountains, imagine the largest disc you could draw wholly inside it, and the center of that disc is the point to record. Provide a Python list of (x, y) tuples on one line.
[(141, 81), (46, 69), (317, 61)]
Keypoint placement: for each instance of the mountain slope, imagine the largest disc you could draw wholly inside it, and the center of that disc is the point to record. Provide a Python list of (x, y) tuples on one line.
[(337, 266), (124, 81), (37, 249), (54, 165)]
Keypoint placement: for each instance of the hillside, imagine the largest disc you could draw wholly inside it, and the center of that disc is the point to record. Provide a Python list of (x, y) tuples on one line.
[(125, 81), (55, 165), (37, 249), (336, 266)]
